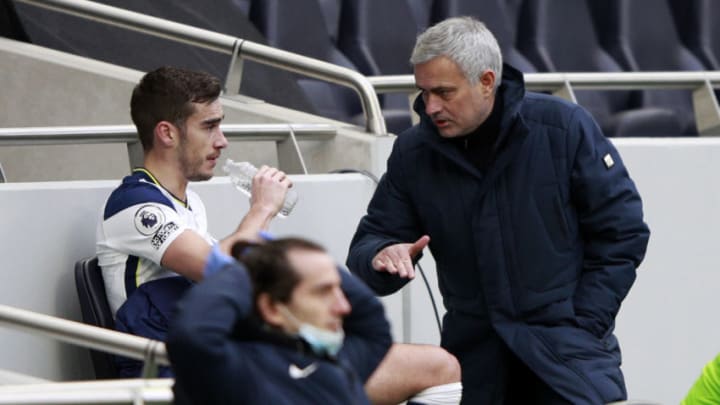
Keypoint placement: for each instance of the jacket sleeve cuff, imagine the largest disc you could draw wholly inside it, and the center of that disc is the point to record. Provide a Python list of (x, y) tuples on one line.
[(216, 260)]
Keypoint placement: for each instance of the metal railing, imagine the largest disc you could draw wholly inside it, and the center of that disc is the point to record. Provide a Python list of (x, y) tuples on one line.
[(128, 134), (707, 112), (238, 48), (133, 391), (152, 352)]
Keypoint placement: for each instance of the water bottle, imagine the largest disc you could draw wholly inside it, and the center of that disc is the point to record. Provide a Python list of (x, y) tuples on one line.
[(241, 175)]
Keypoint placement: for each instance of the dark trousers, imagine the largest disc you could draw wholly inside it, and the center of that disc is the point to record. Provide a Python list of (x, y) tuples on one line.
[(491, 373)]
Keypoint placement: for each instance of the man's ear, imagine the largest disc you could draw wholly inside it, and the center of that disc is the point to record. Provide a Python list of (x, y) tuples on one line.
[(487, 80), (166, 134), (269, 311)]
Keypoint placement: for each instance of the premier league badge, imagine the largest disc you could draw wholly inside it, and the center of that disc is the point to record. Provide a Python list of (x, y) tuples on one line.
[(148, 219)]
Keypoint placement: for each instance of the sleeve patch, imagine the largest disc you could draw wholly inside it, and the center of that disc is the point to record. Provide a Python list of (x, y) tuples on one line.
[(608, 160), (148, 219), (162, 235)]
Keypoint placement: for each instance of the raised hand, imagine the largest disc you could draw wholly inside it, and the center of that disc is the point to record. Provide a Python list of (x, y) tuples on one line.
[(269, 187), (398, 258)]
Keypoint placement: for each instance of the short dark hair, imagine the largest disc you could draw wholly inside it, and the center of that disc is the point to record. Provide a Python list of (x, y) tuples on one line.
[(167, 94), (269, 267)]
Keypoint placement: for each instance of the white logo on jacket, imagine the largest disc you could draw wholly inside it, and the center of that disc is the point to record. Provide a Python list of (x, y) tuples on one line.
[(297, 372)]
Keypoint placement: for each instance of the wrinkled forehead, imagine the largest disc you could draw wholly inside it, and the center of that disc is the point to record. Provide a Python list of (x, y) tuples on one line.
[(437, 72)]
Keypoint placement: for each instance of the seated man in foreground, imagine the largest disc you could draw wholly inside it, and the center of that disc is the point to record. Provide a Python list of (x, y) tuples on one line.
[(271, 331)]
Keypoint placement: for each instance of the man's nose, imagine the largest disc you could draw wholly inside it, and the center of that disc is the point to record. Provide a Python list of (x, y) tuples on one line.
[(432, 105), (342, 306), (222, 141)]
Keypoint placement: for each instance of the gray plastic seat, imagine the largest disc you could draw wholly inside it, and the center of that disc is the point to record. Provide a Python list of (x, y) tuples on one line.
[(144, 52), (641, 35), (279, 21), (497, 17), (698, 29), (378, 37), (95, 311), (559, 36)]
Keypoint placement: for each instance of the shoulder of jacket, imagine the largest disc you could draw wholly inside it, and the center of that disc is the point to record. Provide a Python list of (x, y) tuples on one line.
[(412, 138), (550, 111)]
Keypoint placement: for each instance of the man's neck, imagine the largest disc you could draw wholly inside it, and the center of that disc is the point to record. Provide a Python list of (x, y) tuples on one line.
[(168, 176)]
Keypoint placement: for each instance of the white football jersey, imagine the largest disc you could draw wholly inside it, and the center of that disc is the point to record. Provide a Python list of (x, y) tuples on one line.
[(138, 222)]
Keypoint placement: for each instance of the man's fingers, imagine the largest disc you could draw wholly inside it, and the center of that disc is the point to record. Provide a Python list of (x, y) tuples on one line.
[(395, 259), (390, 267), (408, 268), (418, 246)]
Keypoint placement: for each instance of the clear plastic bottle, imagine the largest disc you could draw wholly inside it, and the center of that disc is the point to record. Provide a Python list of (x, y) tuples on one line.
[(241, 175)]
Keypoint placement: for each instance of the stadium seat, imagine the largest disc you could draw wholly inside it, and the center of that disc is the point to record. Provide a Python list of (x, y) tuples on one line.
[(631, 31), (331, 13), (544, 37), (697, 25), (422, 12), (242, 5), (496, 16), (95, 311), (142, 52), (10, 26), (278, 21), (378, 37)]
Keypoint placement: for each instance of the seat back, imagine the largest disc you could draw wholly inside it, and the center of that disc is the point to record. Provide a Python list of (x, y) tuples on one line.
[(95, 310), (278, 21), (136, 50), (10, 25), (631, 31), (696, 23), (378, 37), (544, 27), (497, 17)]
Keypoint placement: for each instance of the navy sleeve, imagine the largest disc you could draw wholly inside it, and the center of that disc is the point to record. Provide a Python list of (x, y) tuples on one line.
[(367, 331), (199, 338), (611, 221), (391, 218)]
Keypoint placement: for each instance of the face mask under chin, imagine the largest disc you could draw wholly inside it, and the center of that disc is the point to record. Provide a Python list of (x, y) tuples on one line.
[(323, 342)]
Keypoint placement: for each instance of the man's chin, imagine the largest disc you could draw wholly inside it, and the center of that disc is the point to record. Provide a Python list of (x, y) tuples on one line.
[(448, 133), (201, 177)]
